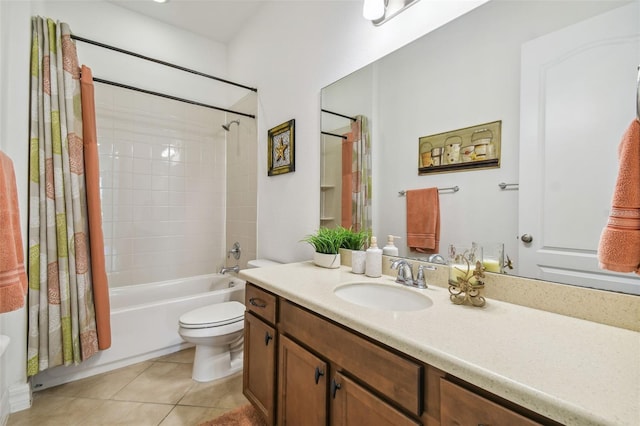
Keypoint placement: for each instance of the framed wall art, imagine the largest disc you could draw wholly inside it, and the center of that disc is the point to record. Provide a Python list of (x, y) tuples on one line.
[(475, 147), (281, 146)]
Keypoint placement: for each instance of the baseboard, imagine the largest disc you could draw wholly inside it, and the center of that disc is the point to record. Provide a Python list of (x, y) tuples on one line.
[(61, 375), (5, 410), (19, 397)]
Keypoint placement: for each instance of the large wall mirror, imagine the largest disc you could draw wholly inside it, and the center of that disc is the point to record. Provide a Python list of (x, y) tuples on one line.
[(561, 78)]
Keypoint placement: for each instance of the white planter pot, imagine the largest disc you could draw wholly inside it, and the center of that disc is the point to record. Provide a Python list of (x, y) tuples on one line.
[(326, 260)]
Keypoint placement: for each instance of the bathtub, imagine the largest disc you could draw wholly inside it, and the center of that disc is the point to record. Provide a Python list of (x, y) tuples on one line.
[(144, 323)]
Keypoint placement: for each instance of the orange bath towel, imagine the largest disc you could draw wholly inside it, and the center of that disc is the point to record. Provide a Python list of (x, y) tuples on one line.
[(423, 220), (13, 277), (619, 248)]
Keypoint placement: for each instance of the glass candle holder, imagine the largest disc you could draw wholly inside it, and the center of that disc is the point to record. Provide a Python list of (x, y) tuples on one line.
[(493, 257), (462, 262)]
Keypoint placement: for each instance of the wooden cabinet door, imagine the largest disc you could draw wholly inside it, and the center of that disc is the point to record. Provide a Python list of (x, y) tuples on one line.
[(302, 386), (352, 404), (259, 365), (460, 406)]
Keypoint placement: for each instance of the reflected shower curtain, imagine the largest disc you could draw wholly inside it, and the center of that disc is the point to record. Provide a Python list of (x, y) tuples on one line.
[(62, 327)]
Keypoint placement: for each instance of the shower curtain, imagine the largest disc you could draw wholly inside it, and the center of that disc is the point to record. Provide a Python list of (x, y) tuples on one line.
[(62, 323)]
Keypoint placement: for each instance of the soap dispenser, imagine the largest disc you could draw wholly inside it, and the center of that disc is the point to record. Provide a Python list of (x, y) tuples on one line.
[(373, 267), (390, 249)]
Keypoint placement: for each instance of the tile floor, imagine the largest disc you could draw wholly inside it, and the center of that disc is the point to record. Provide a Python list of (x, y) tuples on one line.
[(155, 392)]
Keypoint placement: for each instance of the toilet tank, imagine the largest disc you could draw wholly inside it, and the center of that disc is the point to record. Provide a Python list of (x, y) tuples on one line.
[(261, 263)]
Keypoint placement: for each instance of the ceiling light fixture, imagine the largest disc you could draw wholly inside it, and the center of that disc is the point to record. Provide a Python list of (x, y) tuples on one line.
[(161, 1), (380, 11), (373, 9)]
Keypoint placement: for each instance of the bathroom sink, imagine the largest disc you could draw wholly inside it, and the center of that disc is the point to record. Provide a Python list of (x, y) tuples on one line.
[(378, 296)]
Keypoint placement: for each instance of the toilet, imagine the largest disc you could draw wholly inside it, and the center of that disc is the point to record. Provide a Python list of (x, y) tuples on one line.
[(217, 331)]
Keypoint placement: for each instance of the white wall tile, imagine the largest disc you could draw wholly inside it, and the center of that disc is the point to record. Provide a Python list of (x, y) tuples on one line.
[(164, 219)]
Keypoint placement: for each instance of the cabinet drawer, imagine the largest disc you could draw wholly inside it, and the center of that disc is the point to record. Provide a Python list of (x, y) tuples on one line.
[(261, 303), (392, 375), (460, 406)]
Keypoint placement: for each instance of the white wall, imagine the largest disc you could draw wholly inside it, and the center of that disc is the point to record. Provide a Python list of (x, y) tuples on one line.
[(292, 50)]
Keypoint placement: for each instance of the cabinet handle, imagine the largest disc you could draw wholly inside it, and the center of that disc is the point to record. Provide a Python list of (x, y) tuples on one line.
[(258, 302), (334, 388), (318, 374), (267, 337)]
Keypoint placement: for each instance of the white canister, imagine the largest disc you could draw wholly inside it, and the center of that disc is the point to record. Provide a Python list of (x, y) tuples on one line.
[(358, 261)]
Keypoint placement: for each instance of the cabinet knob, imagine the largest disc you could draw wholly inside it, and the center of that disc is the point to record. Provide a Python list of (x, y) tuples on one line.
[(318, 374), (267, 337), (334, 388)]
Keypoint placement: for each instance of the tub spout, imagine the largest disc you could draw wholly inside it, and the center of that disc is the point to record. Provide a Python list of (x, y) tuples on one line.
[(225, 269)]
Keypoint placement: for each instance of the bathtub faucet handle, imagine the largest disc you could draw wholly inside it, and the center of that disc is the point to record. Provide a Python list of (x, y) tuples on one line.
[(235, 251)]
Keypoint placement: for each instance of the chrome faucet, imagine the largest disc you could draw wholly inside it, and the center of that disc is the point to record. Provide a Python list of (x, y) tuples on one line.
[(405, 274), (226, 269), (403, 268)]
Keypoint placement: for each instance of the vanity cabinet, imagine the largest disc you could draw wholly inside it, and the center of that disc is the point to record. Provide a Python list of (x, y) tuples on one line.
[(323, 373)]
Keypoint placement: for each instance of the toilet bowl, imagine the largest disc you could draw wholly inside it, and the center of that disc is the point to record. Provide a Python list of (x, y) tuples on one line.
[(217, 332)]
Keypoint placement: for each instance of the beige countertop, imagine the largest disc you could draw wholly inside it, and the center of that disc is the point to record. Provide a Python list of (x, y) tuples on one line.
[(574, 371)]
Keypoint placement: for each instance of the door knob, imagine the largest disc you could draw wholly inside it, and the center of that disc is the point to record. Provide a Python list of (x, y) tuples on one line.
[(526, 238)]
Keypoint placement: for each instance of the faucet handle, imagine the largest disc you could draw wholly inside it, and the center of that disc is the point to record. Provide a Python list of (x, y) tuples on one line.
[(420, 282)]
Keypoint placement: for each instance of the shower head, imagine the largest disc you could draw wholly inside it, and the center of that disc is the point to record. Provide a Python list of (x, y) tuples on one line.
[(227, 126)]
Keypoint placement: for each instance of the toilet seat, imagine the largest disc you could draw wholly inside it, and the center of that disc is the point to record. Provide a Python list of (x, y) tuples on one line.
[(215, 315)]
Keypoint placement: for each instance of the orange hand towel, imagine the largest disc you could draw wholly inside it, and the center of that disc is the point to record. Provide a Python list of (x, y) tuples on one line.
[(619, 248), (423, 220), (13, 277)]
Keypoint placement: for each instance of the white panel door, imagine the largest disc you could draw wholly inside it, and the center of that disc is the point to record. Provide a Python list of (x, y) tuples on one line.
[(578, 96)]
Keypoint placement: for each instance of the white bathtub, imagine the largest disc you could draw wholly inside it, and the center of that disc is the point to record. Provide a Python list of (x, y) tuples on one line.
[(144, 323)]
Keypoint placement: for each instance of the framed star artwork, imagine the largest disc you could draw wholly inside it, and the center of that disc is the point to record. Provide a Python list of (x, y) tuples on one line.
[(281, 154)]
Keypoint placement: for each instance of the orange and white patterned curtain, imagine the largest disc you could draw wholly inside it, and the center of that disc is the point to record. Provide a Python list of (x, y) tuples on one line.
[(62, 326), (356, 177)]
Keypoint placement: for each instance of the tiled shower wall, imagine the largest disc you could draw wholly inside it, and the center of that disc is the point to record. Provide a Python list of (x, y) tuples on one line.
[(162, 183)]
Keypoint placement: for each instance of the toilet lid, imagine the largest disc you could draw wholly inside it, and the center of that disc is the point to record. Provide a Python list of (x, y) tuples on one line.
[(213, 315)]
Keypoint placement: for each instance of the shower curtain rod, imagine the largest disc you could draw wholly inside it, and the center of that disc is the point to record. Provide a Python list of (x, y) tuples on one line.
[(158, 61), (334, 134), (175, 98), (339, 115)]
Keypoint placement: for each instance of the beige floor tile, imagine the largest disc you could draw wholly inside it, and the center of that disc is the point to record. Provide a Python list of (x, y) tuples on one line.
[(163, 383), (102, 386), (54, 411), (191, 416), (130, 413), (224, 393), (140, 394), (184, 356)]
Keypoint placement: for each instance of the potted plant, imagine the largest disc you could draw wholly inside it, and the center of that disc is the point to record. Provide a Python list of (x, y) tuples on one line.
[(355, 242), (327, 243)]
